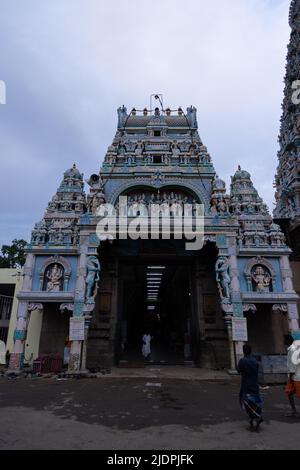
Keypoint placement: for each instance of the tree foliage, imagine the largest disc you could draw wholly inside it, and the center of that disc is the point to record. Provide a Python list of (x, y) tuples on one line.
[(13, 256)]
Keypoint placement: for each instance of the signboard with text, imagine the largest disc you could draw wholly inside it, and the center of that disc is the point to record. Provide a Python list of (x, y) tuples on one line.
[(76, 329), (239, 329)]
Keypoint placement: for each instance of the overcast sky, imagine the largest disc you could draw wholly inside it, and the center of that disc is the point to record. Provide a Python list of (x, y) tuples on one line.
[(69, 64)]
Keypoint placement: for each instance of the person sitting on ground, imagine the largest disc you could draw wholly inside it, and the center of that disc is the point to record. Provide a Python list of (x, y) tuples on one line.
[(250, 398)]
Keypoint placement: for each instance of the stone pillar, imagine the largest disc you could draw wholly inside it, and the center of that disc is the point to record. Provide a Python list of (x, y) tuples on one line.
[(27, 272), (287, 275), (81, 271), (234, 272), (84, 346), (293, 317), (75, 357), (239, 350), (228, 323), (17, 355), (77, 346)]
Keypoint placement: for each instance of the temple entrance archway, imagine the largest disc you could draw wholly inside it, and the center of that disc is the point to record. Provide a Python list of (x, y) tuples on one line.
[(156, 298), (157, 285), (267, 329), (55, 330)]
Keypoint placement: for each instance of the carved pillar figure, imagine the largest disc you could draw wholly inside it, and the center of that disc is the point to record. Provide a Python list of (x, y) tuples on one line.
[(223, 278), (92, 278)]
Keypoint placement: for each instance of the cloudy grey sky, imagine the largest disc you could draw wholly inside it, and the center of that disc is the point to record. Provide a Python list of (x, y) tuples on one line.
[(68, 65)]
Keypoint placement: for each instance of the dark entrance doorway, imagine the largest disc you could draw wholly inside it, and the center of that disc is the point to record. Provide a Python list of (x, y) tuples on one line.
[(155, 296), (156, 299), (55, 330), (267, 330), (160, 287)]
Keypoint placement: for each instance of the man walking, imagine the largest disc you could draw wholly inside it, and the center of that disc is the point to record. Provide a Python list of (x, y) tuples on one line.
[(250, 398), (293, 365)]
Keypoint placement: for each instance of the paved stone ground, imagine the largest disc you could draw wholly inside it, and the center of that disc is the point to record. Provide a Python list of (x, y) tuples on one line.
[(113, 412)]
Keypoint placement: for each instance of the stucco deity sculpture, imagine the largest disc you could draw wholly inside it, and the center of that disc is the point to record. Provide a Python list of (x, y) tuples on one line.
[(192, 116), (222, 206), (92, 278), (139, 149), (54, 277), (223, 278), (122, 116), (262, 279), (175, 149)]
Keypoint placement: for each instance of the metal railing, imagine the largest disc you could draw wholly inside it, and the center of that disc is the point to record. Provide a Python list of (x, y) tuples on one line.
[(5, 307)]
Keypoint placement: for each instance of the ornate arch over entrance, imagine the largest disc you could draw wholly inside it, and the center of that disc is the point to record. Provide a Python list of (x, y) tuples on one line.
[(194, 191)]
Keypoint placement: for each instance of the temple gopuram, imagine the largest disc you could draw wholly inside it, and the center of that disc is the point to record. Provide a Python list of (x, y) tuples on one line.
[(89, 296), (287, 212)]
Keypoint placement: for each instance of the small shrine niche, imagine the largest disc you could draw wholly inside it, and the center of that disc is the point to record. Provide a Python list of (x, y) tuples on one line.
[(262, 281), (54, 278)]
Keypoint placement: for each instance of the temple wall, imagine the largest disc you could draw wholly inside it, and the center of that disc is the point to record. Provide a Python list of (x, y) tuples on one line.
[(295, 265)]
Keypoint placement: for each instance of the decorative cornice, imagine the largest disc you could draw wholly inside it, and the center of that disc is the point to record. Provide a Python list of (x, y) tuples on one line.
[(271, 297), (36, 297)]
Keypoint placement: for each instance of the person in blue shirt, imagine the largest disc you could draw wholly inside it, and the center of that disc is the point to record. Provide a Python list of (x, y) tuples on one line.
[(250, 398)]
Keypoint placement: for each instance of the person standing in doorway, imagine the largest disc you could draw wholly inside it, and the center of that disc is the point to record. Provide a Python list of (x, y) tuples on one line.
[(146, 349), (250, 398), (67, 350), (293, 365)]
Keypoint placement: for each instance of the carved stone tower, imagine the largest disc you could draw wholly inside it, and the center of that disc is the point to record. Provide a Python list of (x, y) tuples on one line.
[(287, 212), (287, 181)]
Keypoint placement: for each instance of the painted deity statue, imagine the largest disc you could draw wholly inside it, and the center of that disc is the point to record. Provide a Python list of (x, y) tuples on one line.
[(93, 276), (122, 116), (54, 276), (262, 280), (192, 116), (223, 278)]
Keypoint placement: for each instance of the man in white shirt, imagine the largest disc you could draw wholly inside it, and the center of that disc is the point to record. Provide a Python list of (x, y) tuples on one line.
[(293, 365)]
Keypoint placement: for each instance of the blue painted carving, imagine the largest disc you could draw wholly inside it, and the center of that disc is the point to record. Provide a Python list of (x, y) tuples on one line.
[(221, 241), (238, 310), (92, 278), (78, 309), (94, 240), (85, 219), (20, 335), (273, 264)]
